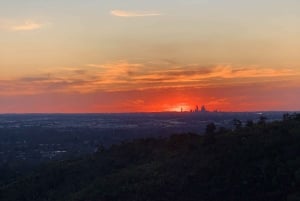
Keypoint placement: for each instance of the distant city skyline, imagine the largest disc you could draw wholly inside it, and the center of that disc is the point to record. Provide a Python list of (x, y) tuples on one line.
[(149, 56)]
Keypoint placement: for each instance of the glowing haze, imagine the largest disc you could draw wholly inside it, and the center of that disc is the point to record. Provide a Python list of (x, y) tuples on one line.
[(138, 55)]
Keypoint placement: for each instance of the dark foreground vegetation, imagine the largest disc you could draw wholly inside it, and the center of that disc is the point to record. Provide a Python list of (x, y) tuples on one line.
[(259, 161)]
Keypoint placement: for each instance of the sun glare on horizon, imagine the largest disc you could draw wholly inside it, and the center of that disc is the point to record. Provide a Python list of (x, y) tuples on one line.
[(181, 107)]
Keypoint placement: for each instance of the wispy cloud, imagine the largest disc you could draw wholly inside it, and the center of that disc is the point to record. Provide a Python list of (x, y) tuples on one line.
[(28, 25), (20, 25), (128, 76), (123, 13)]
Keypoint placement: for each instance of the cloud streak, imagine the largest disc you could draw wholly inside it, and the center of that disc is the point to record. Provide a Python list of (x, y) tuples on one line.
[(125, 86), (14, 25), (123, 13), (127, 76), (28, 25)]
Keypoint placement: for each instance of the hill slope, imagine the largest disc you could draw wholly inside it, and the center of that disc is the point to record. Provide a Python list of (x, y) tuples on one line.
[(260, 162)]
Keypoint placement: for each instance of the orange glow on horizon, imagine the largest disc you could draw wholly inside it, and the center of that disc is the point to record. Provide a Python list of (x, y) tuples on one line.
[(134, 87), (227, 99), (180, 107)]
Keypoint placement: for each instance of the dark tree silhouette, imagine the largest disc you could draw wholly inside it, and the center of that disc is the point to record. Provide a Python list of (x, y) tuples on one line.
[(210, 128), (262, 120), (249, 124), (237, 123), (222, 130), (286, 117)]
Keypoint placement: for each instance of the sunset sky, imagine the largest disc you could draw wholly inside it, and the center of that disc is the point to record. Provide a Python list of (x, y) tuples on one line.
[(76, 56)]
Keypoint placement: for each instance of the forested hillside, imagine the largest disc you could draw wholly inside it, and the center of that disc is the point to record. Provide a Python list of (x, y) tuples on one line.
[(258, 161)]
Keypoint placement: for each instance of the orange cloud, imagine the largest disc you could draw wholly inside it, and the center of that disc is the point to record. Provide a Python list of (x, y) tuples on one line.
[(126, 76), (123, 13), (27, 26), (15, 25)]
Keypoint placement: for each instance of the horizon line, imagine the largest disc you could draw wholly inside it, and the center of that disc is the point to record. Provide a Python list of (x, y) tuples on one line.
[(184, 112)]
